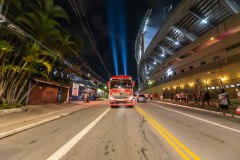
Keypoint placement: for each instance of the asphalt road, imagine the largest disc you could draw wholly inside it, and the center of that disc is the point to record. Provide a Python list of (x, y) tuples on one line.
[(150, 131)]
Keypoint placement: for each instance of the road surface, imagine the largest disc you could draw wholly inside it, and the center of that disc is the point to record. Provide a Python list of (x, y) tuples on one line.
[(150, 131)]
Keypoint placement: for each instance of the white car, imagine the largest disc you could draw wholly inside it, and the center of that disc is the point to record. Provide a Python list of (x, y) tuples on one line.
[(141, 98)]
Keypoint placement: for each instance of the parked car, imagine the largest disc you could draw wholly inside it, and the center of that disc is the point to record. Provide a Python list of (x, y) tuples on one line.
[(141, 98)]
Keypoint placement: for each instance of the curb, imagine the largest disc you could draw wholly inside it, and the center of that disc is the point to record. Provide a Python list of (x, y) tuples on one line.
[(32, 125), (200, 109), (11, 111)]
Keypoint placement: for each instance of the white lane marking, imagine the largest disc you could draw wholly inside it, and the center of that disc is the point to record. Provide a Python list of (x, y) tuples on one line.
[(198, 109), (200, 119), (70, 144), (23, 128)]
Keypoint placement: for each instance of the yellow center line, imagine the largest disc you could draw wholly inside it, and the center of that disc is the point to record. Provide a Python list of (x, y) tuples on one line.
[(168, 137), (173, 138)]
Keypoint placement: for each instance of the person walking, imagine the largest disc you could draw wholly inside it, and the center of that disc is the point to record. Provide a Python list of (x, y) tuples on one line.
[(238, 97), (206, 97), (223, 100), (178, 97), (196, 97), (88, 96), (238, 94), (151, 97), (84, 97)]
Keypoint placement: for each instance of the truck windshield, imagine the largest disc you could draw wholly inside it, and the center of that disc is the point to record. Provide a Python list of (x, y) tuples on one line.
[(121, 84)]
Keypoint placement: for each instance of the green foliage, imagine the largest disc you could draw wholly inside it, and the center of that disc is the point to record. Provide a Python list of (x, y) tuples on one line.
[(21, 60), (4, 106), (48, 65), (5, 46)]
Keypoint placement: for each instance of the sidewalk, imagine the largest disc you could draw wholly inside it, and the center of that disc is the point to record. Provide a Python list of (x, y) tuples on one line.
[(39, 114), (230, 112)]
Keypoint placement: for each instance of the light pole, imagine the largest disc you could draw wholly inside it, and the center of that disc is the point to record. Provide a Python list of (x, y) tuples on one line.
[(164, 15)]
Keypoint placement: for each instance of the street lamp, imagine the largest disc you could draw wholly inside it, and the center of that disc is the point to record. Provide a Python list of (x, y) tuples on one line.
[(204, 21), (169, 8)]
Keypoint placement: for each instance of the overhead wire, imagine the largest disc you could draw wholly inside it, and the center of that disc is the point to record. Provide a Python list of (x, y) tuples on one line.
[(82, 24), (87, 30), (91, 34), (42, 45), (73, 58)]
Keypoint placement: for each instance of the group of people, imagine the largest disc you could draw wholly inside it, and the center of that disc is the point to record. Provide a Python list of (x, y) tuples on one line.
[(203, 97), (180, 97)]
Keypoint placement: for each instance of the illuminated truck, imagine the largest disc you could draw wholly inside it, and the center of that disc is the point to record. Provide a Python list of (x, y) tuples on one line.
[(121, 91)]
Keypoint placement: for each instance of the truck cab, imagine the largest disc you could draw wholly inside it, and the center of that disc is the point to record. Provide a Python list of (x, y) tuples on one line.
[(121, 91)]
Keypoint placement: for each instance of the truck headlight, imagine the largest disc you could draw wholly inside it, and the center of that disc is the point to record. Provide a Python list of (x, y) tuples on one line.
[(111, 98), (130, 98)]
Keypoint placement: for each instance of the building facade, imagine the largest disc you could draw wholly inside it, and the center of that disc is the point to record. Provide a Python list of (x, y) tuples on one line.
[(197, 49)]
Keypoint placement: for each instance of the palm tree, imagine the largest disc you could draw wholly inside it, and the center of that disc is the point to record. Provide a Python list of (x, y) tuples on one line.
[(21, 59), (15, 74)]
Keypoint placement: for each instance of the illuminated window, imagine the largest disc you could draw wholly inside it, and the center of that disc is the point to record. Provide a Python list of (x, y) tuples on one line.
[(217, 87), (227, 86), (232, 85), (213, 87)]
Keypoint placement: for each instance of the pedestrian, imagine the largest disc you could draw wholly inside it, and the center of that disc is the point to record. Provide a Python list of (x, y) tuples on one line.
[(172, 97), (206, 97), (196, 97), (161, 97), (223, 100), (88, 95), (181, 97), (238, 94), (151, 97), (184, 97), (84, 96)]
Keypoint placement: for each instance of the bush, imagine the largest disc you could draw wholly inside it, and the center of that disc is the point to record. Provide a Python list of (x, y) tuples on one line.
[(7, 106)]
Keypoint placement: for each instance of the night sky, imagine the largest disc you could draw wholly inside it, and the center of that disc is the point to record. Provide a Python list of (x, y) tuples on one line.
[(97, 16)]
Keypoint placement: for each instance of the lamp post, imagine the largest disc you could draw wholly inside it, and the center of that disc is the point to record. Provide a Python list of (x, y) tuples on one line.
[(164, 15)]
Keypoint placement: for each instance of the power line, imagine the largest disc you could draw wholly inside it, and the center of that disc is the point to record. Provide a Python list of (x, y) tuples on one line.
[(71, 56), (23, 34), (87, 30)]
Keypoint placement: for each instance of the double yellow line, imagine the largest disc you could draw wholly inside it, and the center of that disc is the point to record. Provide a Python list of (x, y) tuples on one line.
[(182, 150)]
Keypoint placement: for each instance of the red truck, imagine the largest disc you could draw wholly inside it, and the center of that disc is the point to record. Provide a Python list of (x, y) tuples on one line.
[(121, 91)]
